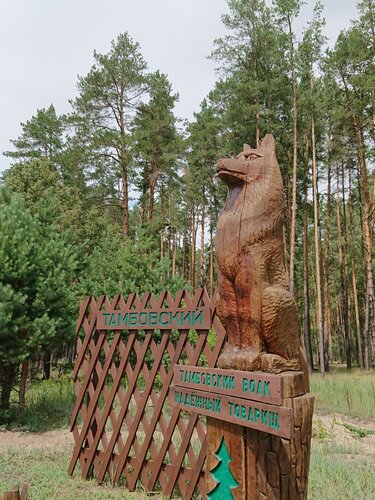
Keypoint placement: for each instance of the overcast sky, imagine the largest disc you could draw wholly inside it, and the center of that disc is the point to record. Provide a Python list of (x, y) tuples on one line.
[(45, 44)]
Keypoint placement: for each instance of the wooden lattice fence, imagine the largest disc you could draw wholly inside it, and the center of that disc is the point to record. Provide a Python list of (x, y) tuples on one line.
[(123, 422)]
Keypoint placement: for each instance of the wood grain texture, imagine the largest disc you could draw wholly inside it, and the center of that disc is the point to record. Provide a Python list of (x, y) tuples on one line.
[(272, 467), (260, 317), (254, 303)]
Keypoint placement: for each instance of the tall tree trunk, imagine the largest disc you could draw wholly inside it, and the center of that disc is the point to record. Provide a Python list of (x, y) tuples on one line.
[(367, 231), (326, 266), (170, 226), (354, 280), (306, 288), (317, 253), (344, 282), (151, 190), (46, 365), (203, 256), (23, 381), (124, 173), (193, 246), (211, 246), (7, 376), (295, 144)]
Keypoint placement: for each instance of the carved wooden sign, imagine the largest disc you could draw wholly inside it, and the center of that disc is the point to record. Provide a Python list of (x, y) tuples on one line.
[(256, 386), (161, 319), (263, 417), (250, 399)]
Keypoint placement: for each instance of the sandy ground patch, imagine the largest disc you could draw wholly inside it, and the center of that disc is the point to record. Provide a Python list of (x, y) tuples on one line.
[(327, 427), (340, 435), (57, 439)]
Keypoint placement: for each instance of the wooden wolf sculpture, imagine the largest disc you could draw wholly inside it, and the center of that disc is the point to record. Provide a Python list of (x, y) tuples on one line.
[(254, 302)]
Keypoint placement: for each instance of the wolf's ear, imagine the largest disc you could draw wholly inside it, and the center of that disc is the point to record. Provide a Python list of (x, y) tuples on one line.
[(268, 142)]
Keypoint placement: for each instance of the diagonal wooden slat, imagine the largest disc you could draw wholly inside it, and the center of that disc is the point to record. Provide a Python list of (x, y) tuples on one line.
[(92, 405), (87, 339), (108, 406), (125, 439), (138, 415), (158, 409), (120, 418)]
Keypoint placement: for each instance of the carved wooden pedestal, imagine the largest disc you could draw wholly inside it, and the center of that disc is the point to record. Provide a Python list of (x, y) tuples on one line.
[(266, 465)]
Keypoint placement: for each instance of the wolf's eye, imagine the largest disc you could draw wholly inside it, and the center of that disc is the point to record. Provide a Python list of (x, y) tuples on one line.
[(253, 156)]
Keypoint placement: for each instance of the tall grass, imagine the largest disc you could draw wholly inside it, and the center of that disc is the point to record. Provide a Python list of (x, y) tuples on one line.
[(49, 405), (351, 393), (45, 471), (340, 473)]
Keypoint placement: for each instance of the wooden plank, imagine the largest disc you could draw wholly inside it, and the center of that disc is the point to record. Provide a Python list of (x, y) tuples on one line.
[(108, 406), (198, 318), (267, 418), (124, 408), (257, 386), (88, 333), (159, 406), (140, 407)]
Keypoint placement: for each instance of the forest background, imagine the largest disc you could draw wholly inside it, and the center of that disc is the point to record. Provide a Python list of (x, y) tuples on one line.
[(119, 195)]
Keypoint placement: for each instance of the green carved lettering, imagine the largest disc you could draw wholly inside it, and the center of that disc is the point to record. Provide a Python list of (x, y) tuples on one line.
[(153, 318), (182, 372), (214, 380), (218, 405), (199, 317), (106, 316), (245, 385), (237, 410), (143, 316), (250, 416), (230, 407), (186, 316), (274, 420), (260, 387), (265, 417), (133, 318), (231, 382), (243, 412), (252, 385), (208, 379), (175, 317), (113, 320), (122, 320), (226, 381), (161, 320), (256, 414), (266, 389), (220, 381)]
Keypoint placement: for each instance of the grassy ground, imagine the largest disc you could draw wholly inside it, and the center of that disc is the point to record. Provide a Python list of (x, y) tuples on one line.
[(49, 405), (46, 473), (340, 472), (350, 393), (340, 468)]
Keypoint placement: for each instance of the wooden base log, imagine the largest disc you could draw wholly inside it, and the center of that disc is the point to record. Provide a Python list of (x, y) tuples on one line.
[(265, 466)]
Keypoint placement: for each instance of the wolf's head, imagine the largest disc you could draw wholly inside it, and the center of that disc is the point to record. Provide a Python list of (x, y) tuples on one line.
[(248, 165)]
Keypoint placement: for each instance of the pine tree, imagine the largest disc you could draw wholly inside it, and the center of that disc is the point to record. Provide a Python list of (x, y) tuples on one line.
[(104, 109), (223, 475)]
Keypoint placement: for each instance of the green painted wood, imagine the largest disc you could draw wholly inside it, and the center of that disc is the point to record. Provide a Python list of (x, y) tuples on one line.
[(222, 474)]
